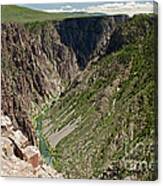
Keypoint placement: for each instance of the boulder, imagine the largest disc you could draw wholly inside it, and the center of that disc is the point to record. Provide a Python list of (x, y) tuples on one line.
[(32, 155)]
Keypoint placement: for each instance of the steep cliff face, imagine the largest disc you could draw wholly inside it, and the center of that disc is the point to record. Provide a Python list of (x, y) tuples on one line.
[(40, 59), (89, 37), (32, 70)]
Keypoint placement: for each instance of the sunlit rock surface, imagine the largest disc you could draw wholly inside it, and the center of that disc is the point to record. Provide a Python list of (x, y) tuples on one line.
[(19, 159)]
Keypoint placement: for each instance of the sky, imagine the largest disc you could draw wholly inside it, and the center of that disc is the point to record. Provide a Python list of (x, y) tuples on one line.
[(109, 7)]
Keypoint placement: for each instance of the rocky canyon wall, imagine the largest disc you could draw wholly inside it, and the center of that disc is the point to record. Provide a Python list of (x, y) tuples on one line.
[(40, 59)]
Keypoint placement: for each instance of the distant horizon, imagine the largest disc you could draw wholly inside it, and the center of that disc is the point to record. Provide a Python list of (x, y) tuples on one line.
[(129, 7)]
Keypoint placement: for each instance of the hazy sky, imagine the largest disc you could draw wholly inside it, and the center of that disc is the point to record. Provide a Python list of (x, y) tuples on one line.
[(82, 6)]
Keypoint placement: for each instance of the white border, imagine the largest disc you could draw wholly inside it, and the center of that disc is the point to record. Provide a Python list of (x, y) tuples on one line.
[(34, 182)]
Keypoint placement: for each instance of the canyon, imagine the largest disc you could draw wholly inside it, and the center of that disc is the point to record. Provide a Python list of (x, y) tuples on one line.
[(80, 90), (38, 65)]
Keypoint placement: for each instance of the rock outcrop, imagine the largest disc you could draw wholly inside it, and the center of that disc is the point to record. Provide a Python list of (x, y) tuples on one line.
[(18, 157)]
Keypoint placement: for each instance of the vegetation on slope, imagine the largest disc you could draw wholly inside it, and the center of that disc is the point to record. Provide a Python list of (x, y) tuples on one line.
[(115, 101), (13, 13)]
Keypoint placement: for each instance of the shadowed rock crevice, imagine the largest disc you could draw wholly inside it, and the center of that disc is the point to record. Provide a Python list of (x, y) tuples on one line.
[(89, 37)]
